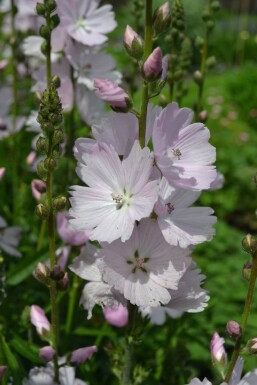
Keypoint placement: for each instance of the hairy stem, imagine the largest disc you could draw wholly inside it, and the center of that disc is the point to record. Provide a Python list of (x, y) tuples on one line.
[(245, 315), (147, 52)]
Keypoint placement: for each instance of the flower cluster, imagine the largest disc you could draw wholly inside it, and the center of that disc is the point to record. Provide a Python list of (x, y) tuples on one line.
[(137, 204)]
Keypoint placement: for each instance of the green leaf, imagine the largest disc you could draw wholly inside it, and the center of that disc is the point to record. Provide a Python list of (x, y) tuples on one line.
[(26, 349), (12, 361)]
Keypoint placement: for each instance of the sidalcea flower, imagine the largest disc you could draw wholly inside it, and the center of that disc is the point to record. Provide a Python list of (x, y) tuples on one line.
[(218, 353), (181, 149), (45, 375), (67, 233), (9, 238), (39, 320), (116, 316), (47, 353), (145, 267), (83, 21), (133, 43), (96, 292), (182, 225), (90, 64), (81, 355), (189, 297), (112, 94), (118, 193), (38, 187), (152, 67), (249, 379)]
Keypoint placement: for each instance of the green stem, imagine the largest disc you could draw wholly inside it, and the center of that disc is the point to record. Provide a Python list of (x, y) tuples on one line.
[(128, 347), (41, 235), (245, 315), (72, 302), (147, 52), (14, 110)]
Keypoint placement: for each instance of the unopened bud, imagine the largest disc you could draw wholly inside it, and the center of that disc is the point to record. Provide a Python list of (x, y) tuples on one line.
[(47, 353), (47, 127), (215, 6), (42, 172), (58, 137), (211, 61), (152, 67), (218, 353), (249, 244), (198, 77), (56, 81), (81, 355), (40, 9), (50, 164), (44, 31), (42, 273), (63, 284), (42, 211), (39, 320), (199, 42), (206, 15), (50, 5), (42, 144), (252, 346), (203, 116), (246, 272), (44, 48), (55, 118), (133, 43), (162, 18), (59, 203), (210, 25), (55, 21), (56, 273), (2, 371), (233, 329), (112, 94)]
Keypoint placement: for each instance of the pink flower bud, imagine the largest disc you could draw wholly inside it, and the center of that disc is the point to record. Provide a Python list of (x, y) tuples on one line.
[(41, 272), (112, 94), (37, 188), (81, 355), (252, 345), (133, 43), (218, 353), (63, 284), (162, 18), (67, 233), (233, 329), (31, 158), (152, 67), (116, 316), (47, 353), (3, 64), (2, 172), (39, 320), (2, 371)]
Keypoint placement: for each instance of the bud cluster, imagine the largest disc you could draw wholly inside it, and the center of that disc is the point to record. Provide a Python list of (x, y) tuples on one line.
[(45, 275), (46, 9)]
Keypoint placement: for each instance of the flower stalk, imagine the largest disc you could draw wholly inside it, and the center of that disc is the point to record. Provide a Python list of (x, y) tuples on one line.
[(147, 52), (245, 315)]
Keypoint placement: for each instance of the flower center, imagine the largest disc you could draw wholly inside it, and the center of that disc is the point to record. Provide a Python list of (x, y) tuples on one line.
[(121, 199), (175, 153), (169, 207), (138, 263)]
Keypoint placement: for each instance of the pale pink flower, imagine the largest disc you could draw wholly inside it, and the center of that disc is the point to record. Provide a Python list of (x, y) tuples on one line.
[(152, 67), (112, 94), (47, 353), (97, 292), (39, 320), (189, 297), (9, 238), (218, 353), (38, 187), (144, 267), (81, 355), (180, 224), (90, 107), (181, 149), (3, 64), (118, 193), (83, 21), (31, 158), (67, 233), (90, 64), (218, 182), (2, 172), (121, 130), (116, 316)]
